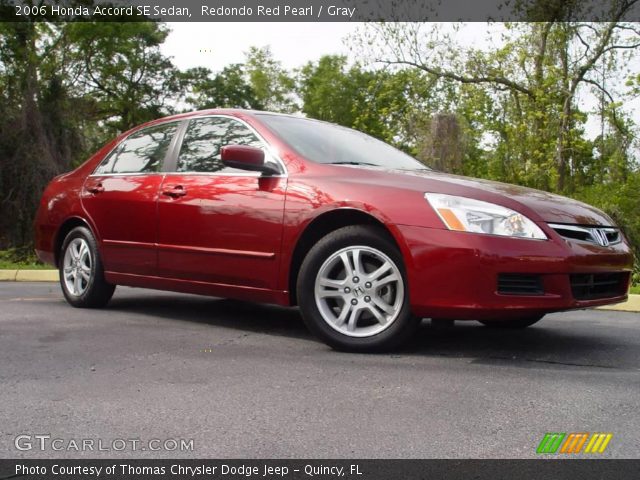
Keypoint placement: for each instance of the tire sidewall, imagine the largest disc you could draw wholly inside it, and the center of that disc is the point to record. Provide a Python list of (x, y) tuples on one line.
[(84, 299), (333, 242)]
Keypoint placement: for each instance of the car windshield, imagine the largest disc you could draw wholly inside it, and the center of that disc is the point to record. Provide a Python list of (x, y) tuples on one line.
[(323, 142)]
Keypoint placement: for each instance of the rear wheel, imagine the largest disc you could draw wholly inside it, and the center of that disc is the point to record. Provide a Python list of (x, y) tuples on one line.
[(515, 323), (81, 272), (353, 293)]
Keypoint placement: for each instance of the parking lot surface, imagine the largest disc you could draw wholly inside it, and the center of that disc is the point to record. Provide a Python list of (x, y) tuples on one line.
[(244, 380)]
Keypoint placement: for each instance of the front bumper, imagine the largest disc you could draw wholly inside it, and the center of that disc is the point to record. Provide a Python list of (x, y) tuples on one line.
[(454, 275)]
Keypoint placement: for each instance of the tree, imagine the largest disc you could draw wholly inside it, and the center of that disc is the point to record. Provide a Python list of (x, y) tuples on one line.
[(442, 143), (328, 91), (534, 78), (122, 71), (28, 148), (272, 85), (385, 104), (226, 89), (66, 89)]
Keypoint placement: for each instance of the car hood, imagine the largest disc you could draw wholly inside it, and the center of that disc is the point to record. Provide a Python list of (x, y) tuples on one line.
[(548, 207)]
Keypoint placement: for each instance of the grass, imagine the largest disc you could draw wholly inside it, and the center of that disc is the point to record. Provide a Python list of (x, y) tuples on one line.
[(23, 266), (635, 289), (13, 259)]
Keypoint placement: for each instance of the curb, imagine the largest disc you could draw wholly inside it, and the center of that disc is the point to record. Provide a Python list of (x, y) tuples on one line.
[(631, 305), (29, 275)]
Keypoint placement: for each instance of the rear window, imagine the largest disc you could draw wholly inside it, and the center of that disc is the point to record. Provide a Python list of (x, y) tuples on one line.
[(141, 152)]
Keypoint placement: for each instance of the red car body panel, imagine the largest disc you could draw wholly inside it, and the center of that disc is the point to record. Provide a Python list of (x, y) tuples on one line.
[(120, 207), (234, 235), (225, 230)]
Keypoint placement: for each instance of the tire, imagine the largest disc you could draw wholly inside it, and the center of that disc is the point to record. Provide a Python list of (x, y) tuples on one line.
[(514, 324), (81, 272), (350, 312)]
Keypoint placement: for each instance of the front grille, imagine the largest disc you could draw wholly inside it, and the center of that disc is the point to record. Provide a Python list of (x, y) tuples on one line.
[(602, 236), (519, 284), (592, 286)]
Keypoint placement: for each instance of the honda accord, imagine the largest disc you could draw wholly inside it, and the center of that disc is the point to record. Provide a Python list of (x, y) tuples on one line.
[(281, 209)]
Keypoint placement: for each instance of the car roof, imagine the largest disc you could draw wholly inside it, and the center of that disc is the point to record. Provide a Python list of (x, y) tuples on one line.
[(218, 111), (235, 112)]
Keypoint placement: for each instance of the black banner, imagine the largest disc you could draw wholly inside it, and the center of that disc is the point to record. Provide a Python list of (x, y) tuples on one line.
[(320, 469), (319, 10)]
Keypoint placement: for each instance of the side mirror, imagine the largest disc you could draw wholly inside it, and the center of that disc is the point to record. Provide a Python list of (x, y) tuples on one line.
[(245, 157)]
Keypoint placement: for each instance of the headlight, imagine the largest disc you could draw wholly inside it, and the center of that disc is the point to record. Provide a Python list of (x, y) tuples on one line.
[(468, 215)]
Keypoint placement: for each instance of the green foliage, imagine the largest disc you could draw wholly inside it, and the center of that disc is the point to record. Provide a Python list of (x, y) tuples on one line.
[(226, 89), (20, 258), (622, 202), (31, 153), (126, 78), (385, 104), (533, 81), (260, 83), (328, 91), (271, 84)]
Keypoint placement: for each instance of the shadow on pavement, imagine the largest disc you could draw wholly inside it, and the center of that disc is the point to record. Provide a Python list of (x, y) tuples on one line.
[(577, 339), (235, 314), (554, 341)]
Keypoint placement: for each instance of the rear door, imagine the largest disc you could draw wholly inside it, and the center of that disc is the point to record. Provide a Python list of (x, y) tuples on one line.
[(121, 197), (217, 224)]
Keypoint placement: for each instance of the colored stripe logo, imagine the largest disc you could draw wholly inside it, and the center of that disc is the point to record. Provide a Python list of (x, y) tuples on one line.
[(598, 443), (574, 443)]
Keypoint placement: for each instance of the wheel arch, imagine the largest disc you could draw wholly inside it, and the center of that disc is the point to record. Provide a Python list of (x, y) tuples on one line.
[(68, 225), (328, 222)]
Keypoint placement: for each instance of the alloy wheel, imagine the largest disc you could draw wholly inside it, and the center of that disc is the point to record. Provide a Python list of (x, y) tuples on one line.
[(77, 267), (359, 291)]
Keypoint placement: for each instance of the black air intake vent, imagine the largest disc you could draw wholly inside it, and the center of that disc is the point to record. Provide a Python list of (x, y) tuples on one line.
[(519, 284), (592, 286)]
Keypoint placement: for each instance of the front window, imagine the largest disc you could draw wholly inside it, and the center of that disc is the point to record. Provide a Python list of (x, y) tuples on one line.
[(323, 142), (204, 139)]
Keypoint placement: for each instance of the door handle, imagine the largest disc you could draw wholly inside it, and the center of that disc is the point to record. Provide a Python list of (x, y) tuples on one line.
[(96, 189), (175, 192)]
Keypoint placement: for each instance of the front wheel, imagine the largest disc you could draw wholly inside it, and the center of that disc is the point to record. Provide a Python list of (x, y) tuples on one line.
[(515, 323), (353, 292), (81, 272)]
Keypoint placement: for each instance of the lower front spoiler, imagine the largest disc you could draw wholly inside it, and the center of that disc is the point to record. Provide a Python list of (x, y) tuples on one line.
[(477, 312)]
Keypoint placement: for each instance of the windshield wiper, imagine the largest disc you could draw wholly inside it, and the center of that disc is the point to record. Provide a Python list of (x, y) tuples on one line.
[(417, 169), (353, 163)]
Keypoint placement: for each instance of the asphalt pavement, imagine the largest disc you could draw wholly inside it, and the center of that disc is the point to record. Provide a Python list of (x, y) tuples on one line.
[(237, 380)]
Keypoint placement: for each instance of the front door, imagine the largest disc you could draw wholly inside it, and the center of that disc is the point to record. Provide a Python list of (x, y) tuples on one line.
[(217, 224)]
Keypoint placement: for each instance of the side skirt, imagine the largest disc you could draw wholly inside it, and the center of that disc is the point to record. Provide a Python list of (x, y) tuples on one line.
[(250, 294)]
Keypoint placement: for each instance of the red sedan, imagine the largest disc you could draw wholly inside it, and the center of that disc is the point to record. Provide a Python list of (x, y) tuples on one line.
[(366, 240)]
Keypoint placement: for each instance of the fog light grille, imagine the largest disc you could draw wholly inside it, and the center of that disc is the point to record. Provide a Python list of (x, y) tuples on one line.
[(591, 286), (519, 284)]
